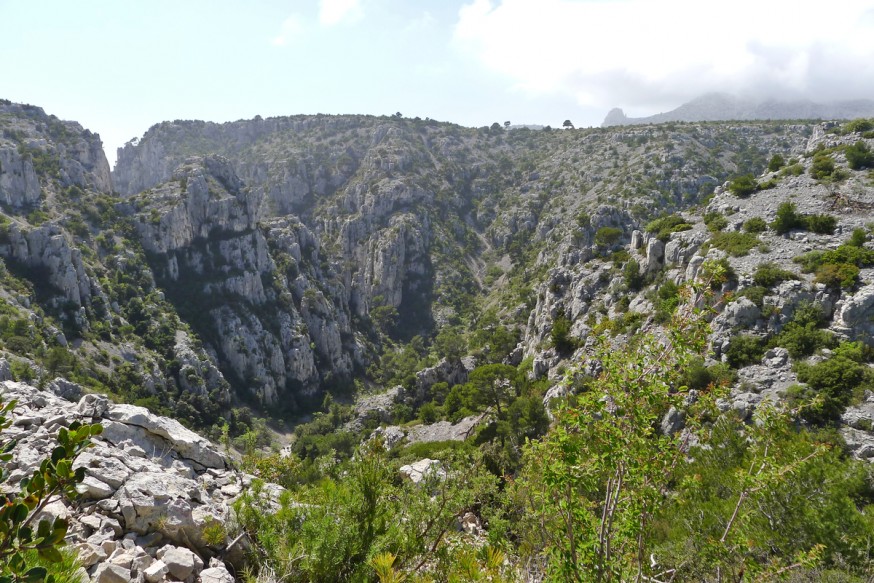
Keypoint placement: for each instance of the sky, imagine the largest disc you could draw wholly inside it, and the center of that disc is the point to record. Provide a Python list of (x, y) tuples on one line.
[(119, 67)]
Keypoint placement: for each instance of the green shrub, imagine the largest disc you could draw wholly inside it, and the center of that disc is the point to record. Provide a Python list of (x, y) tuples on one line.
[(620, 257), (821, 224), (792, 170), (823, 166), (859, 156), (698, 377), (787, 218), (837, 275), (666, 300), (733, 243), (744, 349), (560, 336), (743, 186), (831, 383), (838, 268), (754, 293), (858, 126), (776, 163), (429, 413), (858, 256), (631, 275), (821, 500), (607, 236), (715, 221), (858, 238), (769, 184), (802, 335), (755, 225), (664, 226), (770, 274)]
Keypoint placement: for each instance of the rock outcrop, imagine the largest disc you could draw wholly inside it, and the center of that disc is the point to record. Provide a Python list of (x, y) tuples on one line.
[(152, 489), (272, 309)]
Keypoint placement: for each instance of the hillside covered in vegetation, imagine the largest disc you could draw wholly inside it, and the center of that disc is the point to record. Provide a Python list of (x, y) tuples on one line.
[(446, 353)]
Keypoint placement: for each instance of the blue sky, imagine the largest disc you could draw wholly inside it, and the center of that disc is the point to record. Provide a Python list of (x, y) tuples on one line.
[(118, 67)]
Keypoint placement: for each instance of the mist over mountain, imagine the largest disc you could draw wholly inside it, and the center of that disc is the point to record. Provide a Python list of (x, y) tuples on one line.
[(723, 107)]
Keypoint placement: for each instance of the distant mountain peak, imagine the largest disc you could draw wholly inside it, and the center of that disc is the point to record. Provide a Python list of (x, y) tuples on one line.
[(724, 106)]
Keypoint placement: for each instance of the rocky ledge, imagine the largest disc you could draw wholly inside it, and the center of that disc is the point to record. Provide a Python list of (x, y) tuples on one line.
[(156, 502)]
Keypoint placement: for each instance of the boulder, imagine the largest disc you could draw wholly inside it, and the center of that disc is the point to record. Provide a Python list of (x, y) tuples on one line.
[(655, 255), (423, 469), (853, 315), (156, 571), (216, 574), (673, 421), (137, 423), (111, 573), (741, 313), (180, 562)]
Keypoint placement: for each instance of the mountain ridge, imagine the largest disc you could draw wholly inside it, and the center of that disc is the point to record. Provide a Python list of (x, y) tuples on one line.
[(416, 297), (726, 107)]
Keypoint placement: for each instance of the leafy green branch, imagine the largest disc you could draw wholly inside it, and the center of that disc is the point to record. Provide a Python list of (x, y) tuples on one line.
[(55, 477)]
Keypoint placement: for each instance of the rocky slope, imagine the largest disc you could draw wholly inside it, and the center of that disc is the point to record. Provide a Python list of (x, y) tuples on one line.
[(265, 262), (721, 106), (268, 260), (596, 298), (77, 294), (406, 217), (156, 501)]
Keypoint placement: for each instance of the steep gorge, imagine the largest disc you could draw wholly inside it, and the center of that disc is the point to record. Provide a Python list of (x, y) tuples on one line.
[(455, 282)]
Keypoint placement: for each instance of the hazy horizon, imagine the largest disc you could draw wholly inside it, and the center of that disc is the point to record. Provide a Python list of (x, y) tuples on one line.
[(119, 68)]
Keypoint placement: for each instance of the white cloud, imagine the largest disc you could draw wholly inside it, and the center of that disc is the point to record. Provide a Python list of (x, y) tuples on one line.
[(424, 22), (657, 53), (291, 29), (333, 12)]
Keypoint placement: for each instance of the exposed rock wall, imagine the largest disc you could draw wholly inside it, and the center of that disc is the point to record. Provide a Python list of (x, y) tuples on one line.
[(48, 247), (19, 184), (266, 304)]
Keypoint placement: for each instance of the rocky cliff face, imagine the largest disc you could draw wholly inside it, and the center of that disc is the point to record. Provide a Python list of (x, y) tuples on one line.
[(290, 251), (255, 290), (279, 258), (74, 275), (34, 143), (405, 210)]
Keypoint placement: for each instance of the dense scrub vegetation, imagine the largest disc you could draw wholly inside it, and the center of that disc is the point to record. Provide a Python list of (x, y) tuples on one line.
[(605, 494)]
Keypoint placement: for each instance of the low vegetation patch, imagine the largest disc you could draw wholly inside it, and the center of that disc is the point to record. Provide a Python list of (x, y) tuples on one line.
[(733, 243), (770, 274), (743, 186), (859, 156), (607, 236), (803, 335), (715, 221), (788, 219), (744, 350), (664, 226), (824, 169), (755, 225), (833, 383), (862, 126), (838, 268), (776, 163)]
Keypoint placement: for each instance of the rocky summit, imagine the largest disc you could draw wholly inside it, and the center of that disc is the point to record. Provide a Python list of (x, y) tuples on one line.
[(420, 344)]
